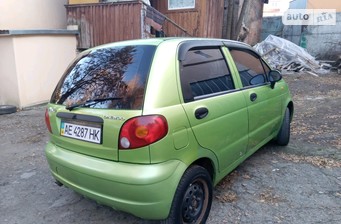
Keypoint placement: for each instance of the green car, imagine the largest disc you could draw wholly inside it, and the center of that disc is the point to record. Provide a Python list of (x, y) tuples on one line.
[(150, 126)]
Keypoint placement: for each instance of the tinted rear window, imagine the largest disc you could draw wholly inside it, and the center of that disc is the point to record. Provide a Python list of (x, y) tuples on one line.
[(117, 72)]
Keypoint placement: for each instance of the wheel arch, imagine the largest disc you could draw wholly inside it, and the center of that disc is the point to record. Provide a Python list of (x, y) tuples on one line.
[(291, 109), (208, 164)]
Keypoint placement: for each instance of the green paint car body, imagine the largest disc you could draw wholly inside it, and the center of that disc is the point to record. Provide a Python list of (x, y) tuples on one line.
[(149, 126)]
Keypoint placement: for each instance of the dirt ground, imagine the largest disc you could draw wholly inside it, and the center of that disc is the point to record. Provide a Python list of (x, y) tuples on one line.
[(300, 183)]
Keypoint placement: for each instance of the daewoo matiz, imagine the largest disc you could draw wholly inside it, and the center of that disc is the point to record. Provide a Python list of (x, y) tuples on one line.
[(150, 126)]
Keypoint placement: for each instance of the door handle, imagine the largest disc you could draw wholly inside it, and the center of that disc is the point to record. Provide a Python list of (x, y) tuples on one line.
[(201, 112), (253, 97)]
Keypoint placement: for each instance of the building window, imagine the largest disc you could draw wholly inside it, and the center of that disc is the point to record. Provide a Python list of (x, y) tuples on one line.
[(181, 4)]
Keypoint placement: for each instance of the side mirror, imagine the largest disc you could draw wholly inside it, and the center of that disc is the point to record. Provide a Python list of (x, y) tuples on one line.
[(274, 76)]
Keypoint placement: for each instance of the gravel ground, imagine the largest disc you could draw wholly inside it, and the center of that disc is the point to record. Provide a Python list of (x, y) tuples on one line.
[(300, 183)]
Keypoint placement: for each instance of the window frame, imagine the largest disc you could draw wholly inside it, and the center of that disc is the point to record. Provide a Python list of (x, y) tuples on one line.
[(188, 46), (180, 8)]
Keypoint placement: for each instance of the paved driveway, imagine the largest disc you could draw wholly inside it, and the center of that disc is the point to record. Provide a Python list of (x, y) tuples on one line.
[(300, 183)]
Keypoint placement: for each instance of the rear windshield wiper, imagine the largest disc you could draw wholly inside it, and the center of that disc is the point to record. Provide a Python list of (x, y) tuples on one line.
[(89, 103)]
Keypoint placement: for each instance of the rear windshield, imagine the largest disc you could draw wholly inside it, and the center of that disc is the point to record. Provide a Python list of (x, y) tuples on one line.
[(109, 78)]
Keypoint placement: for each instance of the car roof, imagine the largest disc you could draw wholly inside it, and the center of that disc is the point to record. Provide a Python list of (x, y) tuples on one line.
[(185, 43), (188, 43), (157, 41)]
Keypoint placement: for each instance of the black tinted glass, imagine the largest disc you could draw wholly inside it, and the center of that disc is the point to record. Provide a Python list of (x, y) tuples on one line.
[(118, 73), (250, 68), (204, 72)]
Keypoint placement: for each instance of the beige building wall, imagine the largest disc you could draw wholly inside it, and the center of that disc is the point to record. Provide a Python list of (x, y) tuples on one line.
[(32, 14), (35, 49), (41, 61), (32, 65), (9, 90), (325, 4)]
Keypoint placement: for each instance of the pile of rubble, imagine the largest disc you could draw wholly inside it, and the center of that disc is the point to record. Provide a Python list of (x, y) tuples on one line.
[(287, 56), (334, 65)]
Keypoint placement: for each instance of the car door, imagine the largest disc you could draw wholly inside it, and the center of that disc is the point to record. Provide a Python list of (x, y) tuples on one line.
[(263, 102), (216, 110)]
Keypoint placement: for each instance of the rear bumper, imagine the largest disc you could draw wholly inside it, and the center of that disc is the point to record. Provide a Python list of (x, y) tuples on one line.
[(145, 191)]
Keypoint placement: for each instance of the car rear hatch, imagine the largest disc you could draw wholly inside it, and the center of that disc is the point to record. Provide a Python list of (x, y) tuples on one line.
[(102, 89)]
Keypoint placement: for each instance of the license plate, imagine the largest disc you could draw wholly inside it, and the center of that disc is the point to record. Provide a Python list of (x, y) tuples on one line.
[(81, 132)]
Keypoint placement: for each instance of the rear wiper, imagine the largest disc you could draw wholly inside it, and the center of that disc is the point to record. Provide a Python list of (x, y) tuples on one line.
[(89, 103)]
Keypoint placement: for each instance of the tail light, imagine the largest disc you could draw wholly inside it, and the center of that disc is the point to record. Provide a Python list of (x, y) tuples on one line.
[(47, 121), (142, 131)]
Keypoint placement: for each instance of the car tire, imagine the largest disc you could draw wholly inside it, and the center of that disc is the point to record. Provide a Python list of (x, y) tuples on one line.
[(7, 109), (193, 197), (283, 136)]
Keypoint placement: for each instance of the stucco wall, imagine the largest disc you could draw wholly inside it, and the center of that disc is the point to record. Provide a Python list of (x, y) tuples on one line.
[(32, 14), (316, 4), (9, 90), (324, 41), (272, 25), (31, 66), (325, 4)]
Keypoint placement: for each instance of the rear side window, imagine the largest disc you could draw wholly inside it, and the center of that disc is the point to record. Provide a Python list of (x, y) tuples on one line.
[(117, 74), (204, 73), (250, 67)]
